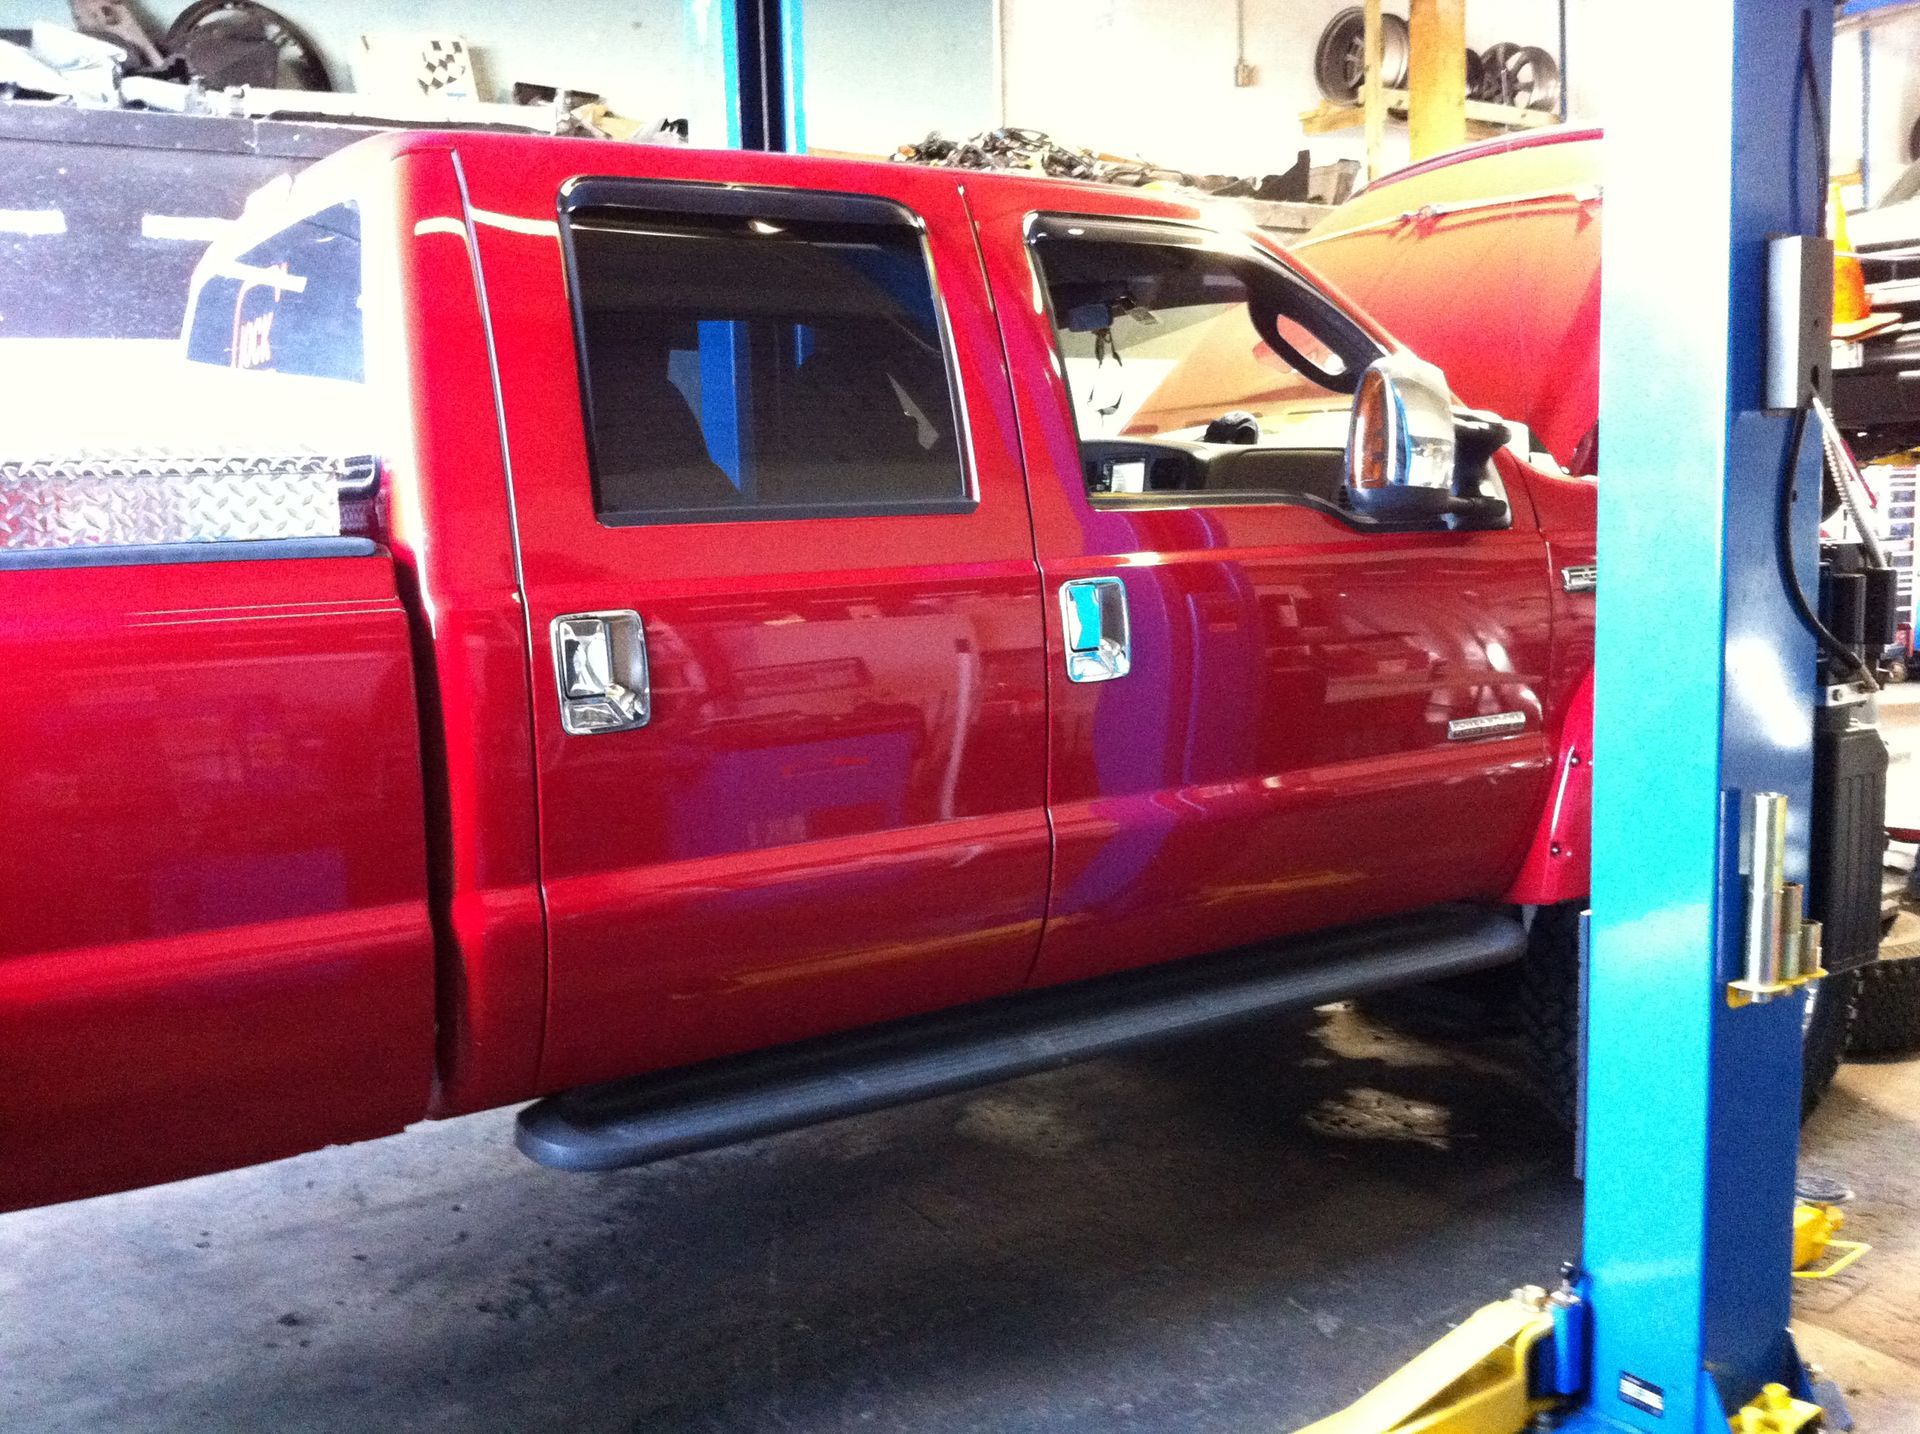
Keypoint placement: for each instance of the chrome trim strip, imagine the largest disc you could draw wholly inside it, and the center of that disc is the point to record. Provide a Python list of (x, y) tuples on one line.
[(1494, 724), (1581, 194)]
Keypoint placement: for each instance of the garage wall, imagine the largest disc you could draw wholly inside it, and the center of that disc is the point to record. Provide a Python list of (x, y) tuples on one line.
[(1155, 77), (879, 72), (1891, 66), (638, 53), (1151, 77)]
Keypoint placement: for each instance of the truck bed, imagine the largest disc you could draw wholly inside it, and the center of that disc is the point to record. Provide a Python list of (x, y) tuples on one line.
[(215, 909)]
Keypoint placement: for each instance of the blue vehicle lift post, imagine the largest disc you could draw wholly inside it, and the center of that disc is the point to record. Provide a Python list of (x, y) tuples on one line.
[(757, 44), (1704, 694), (1675, 1317), (763, 80)]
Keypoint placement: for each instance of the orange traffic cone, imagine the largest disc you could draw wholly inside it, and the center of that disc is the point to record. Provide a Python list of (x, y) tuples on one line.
[(1850, 305)]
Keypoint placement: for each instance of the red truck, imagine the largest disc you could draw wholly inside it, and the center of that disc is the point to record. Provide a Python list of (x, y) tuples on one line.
[(755, 639), (1487, 260)]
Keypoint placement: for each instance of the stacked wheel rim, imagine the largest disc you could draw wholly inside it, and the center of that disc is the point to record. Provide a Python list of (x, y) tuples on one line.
[(1340, 59)]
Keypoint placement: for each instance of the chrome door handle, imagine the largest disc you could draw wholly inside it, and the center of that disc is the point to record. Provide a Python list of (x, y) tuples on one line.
[(600, 667), (1093, 616)]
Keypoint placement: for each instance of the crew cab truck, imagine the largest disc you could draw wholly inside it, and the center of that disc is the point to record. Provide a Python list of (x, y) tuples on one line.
[(731, 640)]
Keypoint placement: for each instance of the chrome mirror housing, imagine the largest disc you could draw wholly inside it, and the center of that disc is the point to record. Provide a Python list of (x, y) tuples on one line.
[(1400, 443)]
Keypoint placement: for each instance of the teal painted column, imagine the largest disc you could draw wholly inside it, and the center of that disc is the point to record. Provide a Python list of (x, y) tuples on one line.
[(757, 47), (1703, 693)]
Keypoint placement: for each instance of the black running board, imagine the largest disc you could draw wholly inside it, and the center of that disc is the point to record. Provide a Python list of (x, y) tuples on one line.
[(655, 1117)]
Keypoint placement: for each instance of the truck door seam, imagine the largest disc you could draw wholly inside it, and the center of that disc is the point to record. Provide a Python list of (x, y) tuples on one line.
[(520, 594), (1039, 574)]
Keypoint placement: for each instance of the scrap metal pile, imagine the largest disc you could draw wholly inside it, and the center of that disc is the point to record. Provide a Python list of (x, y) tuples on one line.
[(1035, 152)]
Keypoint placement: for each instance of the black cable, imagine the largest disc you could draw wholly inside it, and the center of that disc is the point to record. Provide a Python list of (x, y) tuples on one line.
[(1812, 77), (1808, 81), (1790, 575)]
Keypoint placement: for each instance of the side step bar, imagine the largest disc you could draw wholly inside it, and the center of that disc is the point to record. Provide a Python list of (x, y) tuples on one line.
[(678, 1112)]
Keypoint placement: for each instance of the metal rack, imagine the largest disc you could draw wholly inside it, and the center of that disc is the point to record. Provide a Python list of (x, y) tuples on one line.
[(1895, 488)]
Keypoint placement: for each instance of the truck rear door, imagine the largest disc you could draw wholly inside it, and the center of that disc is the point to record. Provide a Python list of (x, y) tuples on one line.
[(778, 567), (1262, 713)]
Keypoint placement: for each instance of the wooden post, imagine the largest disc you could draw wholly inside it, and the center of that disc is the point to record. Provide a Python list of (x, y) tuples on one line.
[(1372, 93), (1437, 76)]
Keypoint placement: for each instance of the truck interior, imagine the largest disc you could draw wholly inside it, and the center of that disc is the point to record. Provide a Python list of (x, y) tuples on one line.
[(1195, 369), (742, 368)]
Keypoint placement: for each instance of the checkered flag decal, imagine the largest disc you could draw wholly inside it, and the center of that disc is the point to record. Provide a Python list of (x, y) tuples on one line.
[(442, 63)]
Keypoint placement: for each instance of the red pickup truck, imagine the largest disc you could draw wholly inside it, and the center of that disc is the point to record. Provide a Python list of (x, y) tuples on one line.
[(754, 639), (1487, 260)]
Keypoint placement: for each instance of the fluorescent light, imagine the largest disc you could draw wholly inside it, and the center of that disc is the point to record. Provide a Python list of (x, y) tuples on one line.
[(32, 221), (190, 227)]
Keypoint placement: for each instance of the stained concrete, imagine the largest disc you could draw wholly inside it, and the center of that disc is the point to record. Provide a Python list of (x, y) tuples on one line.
[(1226, 1235), (1233, 1234)]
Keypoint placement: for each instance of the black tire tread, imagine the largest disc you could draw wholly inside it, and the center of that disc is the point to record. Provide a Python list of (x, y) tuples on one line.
[(1547, 1006), (1888, 1019), (1548, 1009), (1826, 1037)]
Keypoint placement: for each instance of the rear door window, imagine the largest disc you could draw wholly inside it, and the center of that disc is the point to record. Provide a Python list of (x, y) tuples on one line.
[(763, 365)]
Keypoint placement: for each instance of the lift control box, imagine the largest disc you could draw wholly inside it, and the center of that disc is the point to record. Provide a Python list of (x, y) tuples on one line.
[(1799, 320)]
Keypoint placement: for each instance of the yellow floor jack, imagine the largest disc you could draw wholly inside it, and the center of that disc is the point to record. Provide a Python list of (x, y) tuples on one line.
[(1512, 1364)]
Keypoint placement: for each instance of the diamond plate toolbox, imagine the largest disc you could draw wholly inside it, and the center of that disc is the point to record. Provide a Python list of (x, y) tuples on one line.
[(115, 500)]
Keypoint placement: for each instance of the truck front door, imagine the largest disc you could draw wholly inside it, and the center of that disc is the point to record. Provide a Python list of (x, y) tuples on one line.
[(1262, 711), (780, 586)]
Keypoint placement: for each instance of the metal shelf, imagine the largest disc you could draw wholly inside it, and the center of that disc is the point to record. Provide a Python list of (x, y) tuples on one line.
[(1484, 117)]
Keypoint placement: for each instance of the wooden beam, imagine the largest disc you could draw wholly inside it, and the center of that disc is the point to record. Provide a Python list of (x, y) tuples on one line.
[(1484, 118), (1373, 97), (1437, 76)]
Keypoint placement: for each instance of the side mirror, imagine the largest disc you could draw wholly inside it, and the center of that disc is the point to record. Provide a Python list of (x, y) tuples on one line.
[(1400, 444)]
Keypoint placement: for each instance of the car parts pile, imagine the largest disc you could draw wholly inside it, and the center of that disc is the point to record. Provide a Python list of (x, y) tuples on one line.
[(1035, 152)]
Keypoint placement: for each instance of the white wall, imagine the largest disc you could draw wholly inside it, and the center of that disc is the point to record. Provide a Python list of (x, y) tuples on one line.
[(878, 72), (638, 53), (1155, 77), (1147, 77), (1892, 68)]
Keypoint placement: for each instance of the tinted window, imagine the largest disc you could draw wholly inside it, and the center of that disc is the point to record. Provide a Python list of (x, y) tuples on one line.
[(1197, 369), (288, 305), (740, 367)]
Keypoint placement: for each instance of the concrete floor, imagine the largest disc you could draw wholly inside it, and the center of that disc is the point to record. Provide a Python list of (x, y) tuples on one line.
[(1234, 1234)]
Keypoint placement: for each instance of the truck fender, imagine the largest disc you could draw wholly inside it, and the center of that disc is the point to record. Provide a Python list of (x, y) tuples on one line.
[(1557, 866)]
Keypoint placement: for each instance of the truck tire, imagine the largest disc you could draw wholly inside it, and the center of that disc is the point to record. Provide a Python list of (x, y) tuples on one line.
[(1549, 1011), (1832, 1010), (1888, 1020), (1548, 1006)]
